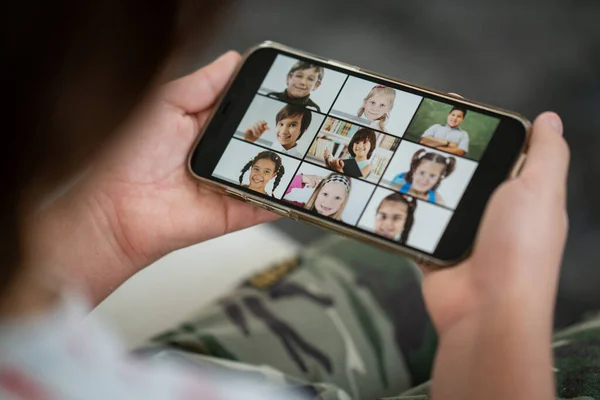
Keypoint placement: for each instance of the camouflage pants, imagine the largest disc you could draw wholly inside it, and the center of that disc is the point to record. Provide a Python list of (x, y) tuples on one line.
[(342, 321)]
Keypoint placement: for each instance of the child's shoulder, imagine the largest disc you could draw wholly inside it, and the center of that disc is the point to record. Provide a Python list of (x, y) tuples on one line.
[(311, 104), (399, 179)]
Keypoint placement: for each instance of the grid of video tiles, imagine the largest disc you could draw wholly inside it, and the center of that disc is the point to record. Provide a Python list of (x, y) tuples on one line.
[(380, 159)]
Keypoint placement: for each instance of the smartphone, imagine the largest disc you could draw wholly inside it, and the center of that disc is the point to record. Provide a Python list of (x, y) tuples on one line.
[(378, 159)]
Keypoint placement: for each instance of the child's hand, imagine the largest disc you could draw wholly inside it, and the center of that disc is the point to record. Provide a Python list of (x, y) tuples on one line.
[(255, 131), (311, 181), (139, 202), (494, 311), (326, 154), (336, 164)]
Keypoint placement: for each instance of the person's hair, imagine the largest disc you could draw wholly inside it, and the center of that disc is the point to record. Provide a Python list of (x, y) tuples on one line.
[(363, 135), (335, 178), (303, 65), (266, 155), (386, 91), (411, 206), (421, 155), (293, 110), (77, 69), (461, 109)]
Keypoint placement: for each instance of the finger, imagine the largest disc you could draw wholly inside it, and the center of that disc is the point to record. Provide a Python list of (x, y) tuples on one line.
[(242, 215), (547, 161), (197, 91), (426, 270), (455, 95)]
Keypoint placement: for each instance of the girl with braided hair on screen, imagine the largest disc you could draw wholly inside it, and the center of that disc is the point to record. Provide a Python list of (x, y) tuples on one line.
[(427, 171), (264, 167)]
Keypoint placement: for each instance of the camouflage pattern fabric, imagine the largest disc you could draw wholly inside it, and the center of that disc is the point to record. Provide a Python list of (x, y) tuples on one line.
[(341, 321)]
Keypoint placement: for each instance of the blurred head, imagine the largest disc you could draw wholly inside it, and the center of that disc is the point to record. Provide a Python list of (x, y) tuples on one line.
[(456, 116), (378, 103), (292, 121), (330, 196), (303, 78), (77, 69), (395, 217), (363, 144), (428, 169)]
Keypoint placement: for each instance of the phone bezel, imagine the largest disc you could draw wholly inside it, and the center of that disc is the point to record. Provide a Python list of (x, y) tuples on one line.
[(502, 158)]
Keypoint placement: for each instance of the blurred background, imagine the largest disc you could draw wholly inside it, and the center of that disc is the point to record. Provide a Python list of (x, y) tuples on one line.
[(526, 55)]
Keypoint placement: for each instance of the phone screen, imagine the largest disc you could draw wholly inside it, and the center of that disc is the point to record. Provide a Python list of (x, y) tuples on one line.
[(349, 149)]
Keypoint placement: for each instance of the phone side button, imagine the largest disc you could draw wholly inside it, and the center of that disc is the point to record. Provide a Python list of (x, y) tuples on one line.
[(280, 211), (267, 207), (257, 204), (235, 195)]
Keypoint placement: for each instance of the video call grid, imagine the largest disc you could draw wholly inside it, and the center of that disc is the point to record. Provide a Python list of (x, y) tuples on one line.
[(305, 160), (376, 185)]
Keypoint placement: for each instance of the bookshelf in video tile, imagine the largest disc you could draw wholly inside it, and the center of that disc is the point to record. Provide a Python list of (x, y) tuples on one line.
[(388, 162)]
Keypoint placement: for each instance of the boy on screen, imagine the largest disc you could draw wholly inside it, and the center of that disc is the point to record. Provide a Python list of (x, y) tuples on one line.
[(302, 79), (290, 124), (448, 137)]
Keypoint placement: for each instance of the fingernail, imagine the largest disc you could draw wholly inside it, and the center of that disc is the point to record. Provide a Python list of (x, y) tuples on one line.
[(555, 121)]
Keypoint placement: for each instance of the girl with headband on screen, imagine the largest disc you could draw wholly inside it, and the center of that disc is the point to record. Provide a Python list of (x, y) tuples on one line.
[(427, 171), (264, 167), (325, 196), (395, 217), (377, 105)]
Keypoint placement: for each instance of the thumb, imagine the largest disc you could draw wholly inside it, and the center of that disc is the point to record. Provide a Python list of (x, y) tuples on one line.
[(545, 171), (197, 91)]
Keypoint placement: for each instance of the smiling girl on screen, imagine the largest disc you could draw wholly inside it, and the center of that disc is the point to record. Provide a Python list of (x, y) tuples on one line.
[(264, 167), (325, 196), (395, 217), (377, 105), (361, 148), (427, 171)]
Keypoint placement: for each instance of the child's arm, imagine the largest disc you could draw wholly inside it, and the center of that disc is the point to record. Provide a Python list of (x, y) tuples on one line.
[(295, 184), (335, 164), (366, 170), (453, 148), (433, 142), (311, 181), (255, 131), (439, 199)]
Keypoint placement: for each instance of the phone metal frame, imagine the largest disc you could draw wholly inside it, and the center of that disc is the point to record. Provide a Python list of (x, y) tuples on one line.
[(280, 209)]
